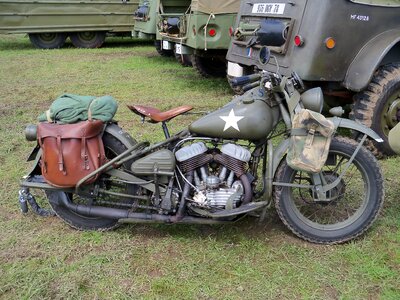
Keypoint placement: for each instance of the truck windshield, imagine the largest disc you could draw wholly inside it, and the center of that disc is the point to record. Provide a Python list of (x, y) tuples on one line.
[(392, 3)]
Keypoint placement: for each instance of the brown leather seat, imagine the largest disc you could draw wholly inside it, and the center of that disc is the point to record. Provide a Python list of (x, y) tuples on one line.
[(156, 115)]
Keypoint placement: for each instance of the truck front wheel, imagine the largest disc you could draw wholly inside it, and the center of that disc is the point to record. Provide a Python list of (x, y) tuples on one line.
[(209, 66), (48, 40), (378, 106), (88, 39)]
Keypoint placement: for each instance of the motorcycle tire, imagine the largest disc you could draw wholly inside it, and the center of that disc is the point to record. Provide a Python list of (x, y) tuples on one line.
[(355, 201), (113, 147)]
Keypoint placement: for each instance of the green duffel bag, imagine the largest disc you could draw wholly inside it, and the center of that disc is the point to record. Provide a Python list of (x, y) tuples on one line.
[(310, 140)]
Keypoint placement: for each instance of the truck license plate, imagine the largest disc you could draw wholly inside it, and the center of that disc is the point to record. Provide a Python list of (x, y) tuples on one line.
[(178, 49), (269, 8), (165, 45)]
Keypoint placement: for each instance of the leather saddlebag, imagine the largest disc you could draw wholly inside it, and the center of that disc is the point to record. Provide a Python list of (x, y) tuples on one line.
[(70, 151)]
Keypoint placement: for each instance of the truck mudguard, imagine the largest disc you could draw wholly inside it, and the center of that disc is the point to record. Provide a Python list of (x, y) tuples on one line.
[(368, 59)]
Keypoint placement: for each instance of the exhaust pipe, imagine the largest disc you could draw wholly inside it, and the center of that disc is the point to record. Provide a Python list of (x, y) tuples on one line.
[(111, 213)]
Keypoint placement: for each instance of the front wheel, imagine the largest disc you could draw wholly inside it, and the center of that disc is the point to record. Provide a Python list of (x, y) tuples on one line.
[(351, 206)]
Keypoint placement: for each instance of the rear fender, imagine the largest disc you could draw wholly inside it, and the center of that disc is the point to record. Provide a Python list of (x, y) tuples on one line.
[(120, 135), (34, 156)]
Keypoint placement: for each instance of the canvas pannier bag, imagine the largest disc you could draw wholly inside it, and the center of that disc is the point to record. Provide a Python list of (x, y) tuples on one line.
[(310, 140), (70, 151)]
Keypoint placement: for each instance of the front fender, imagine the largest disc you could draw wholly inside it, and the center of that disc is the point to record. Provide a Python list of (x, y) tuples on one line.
[(282, 148), (350, 124), (363, 66)]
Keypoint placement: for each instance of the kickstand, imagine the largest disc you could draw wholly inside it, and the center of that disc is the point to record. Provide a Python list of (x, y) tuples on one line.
[(25, 197)]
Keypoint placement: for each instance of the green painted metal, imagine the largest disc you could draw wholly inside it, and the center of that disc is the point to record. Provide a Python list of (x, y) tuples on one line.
[(43, 16), (246, 117), (160, 161), (146, 27), (350, 124), (362, 33), (197, 20)]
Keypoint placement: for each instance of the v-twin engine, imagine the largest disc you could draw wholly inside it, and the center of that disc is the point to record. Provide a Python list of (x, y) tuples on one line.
[(219, 176)]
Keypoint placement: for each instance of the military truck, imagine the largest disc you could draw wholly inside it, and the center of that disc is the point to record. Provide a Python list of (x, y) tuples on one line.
[(351, 48), (198, 31), (85, 22), (146, 17), (145, 20)]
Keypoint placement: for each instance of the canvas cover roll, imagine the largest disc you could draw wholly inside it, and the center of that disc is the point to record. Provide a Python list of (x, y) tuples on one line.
[(70, 108), (216, 7)]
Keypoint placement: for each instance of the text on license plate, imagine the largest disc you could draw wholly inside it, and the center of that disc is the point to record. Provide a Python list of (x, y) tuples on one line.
[(178, 49), (269, 8)]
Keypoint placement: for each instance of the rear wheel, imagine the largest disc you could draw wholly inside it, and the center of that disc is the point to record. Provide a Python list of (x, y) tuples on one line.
[(113, 147), (378, 106), (209, 66), (352, 206), (49, 40), (88, 39)]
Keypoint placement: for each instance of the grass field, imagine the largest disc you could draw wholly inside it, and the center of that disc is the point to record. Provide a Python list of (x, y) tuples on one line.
[(42, 258)]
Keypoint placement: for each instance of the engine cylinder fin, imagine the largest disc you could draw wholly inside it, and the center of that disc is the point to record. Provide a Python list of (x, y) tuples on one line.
[(233, 164), (196, 162)]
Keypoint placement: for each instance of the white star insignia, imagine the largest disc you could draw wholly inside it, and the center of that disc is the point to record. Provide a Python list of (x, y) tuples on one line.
[(231, 120)]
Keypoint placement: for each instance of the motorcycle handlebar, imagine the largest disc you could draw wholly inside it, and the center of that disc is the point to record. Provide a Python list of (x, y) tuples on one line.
[(245, 79)]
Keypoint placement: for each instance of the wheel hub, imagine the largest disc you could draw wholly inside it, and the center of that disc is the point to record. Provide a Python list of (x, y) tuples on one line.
[(47, 37), (334, 194), (391, 114)]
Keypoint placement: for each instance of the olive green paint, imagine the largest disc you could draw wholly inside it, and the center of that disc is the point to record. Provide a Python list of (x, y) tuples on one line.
[(42, 16)]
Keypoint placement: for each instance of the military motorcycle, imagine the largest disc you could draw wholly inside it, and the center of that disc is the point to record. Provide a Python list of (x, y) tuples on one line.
[(224, 167)]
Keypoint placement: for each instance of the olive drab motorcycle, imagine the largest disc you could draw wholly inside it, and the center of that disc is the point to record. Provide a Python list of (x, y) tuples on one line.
[(326, 189)]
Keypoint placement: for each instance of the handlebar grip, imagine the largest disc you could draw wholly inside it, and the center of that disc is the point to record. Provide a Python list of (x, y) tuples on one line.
[(250, 86), (244, 79)]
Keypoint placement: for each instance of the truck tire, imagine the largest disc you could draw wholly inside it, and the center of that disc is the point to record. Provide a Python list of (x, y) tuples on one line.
[(161, 51), (378, 106), (88, 39), (183, 59), (209, 66), (48, 40)]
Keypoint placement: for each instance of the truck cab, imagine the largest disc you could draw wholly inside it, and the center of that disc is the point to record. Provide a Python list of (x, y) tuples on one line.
[(345, 46)]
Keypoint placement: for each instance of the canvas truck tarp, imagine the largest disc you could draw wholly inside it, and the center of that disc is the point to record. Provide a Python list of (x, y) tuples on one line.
[(216, 7)]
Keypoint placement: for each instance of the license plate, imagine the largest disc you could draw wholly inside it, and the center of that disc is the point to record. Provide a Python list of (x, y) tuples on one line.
[(165, 45), (269, 8), (178, 49)]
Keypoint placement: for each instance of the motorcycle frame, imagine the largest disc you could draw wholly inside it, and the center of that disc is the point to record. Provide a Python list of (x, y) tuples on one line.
[(272, 158)]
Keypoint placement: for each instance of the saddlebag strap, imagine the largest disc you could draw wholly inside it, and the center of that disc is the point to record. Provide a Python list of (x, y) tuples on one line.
[(60, 156), (48, 116)]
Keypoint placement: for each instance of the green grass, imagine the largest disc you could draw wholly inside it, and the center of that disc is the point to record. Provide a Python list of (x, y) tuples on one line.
[(44, 258)]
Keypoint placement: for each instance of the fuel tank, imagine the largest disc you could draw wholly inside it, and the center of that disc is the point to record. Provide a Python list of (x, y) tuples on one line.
[(248, 117)]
